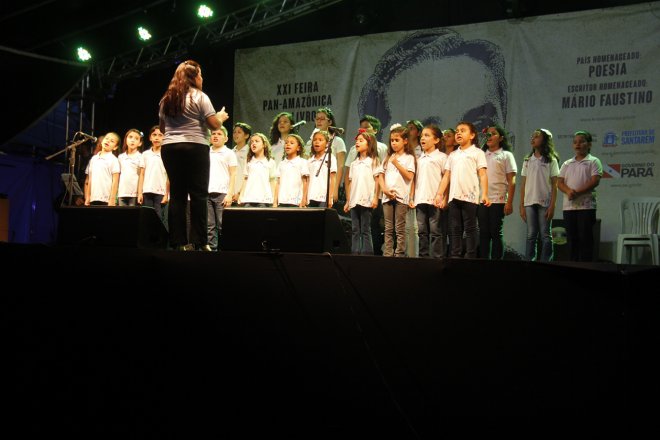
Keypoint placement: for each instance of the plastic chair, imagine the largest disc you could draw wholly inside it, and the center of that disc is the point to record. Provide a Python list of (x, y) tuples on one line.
[(639, 227)]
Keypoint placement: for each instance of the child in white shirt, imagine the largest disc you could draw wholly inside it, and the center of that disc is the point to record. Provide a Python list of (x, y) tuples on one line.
[(395, 177), (362, 192), (431, 223), (318, 171), (465, 173), (293, 182), (222, 174), (103, 173), (131, 165), (260, 174)]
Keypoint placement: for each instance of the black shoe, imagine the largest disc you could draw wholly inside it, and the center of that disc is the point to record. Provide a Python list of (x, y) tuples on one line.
[(185, 247)]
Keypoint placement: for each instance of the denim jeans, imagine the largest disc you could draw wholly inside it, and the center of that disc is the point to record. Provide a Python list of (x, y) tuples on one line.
[(536, 222), (432, 230), (361, 242), (463, 220), (153, 200), (215, 209)]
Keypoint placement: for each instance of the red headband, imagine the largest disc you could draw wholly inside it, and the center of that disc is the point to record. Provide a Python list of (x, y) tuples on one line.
[(360, 131)]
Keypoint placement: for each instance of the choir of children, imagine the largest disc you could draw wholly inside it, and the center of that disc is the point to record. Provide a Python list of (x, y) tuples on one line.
[(456, 195)]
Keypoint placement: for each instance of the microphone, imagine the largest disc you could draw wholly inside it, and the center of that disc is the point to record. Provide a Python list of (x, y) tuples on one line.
[(336, 130), (298, 124), (87, 136)]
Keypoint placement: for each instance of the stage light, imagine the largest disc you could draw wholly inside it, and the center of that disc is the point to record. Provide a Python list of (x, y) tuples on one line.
[(204, 12), (83, 54), (144, 34)]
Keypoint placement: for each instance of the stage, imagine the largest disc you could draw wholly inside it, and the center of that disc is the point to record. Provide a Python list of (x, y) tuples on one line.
[(149, 342)]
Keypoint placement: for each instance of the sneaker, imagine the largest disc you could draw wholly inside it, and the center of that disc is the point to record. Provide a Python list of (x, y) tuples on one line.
[(185, 247), (204, 248)]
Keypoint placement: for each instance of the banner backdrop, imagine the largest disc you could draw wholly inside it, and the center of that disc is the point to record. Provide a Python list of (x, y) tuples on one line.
[(595, 70)]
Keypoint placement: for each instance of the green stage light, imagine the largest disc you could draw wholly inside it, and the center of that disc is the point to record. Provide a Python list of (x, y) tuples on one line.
[(83, 54), (144, 34), (204, 12)]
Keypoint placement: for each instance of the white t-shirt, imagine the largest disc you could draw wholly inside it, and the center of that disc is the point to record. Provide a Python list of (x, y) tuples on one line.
[(241, 158), (576, 173), (222, 160), (464, 166), (500, 163), (100, 170), (538, 175), (258, 174), (277, 152), (130, 173), (430, 168), (155, 176), (394, 181), (318, 185), (291, 174), (362, 175)]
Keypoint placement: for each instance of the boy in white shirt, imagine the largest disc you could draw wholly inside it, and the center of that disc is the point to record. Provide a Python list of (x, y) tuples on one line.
[(222, 175)]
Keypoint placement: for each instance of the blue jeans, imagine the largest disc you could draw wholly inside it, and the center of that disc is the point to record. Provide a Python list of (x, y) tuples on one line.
[(536, 222), (215, 208), (432, 226), (361, 242)]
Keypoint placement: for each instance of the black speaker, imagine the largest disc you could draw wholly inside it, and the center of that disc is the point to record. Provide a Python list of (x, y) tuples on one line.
[(313, 230), (119, 226)]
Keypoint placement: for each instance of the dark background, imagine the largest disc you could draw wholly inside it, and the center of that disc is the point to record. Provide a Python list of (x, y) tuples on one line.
[(54, 28)]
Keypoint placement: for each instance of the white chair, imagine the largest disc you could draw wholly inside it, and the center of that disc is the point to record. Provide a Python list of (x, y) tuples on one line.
[(639, 227)]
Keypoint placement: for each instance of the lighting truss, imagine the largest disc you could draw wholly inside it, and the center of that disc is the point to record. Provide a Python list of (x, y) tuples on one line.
[(235, 25)]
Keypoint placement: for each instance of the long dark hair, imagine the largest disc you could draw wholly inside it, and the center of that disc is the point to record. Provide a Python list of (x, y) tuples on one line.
[(174, 100), (275, 132), (403, 132), (505, 144), (547, 146)]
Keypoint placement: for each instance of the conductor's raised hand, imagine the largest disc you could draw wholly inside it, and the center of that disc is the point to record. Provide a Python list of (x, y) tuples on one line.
[(222, 115)]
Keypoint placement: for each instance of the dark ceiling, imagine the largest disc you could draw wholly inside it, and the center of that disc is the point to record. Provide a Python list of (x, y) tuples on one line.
[(56, 27)]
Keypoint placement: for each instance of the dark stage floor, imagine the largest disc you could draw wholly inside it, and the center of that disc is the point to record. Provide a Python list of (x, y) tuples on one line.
[(134, 342)]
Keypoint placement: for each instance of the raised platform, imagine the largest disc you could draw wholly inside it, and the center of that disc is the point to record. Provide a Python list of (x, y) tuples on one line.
[(153, 343)]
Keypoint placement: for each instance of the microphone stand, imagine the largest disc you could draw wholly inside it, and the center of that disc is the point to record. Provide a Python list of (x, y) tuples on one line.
[(328, 153), (72, 165)]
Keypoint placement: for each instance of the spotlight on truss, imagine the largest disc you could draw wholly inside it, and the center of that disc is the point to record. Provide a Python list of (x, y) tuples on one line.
[(204, 11), (83, 54), (144, 34)]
